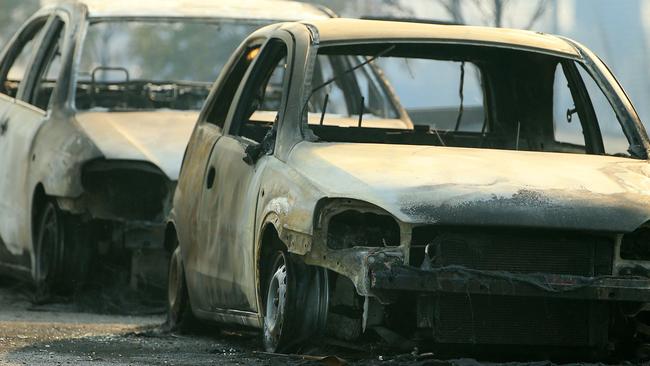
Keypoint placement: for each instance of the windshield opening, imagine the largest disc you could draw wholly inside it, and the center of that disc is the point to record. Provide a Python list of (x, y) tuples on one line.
[(470, 96), (125, 67), (343, 95), (348, 88)]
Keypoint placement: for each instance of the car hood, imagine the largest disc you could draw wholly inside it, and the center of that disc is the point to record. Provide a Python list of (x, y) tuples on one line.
[(159, 137), (446, 185)]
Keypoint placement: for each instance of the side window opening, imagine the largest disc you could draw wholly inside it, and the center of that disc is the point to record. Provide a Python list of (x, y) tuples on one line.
[(259, 106), (221, 102), (15, 70), (50, 69)]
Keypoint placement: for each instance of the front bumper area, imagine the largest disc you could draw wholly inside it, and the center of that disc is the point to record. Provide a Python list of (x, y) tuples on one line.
[(459, 305), (462, 280)]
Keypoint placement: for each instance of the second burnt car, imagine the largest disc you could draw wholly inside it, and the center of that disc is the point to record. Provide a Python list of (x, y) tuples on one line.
[(97, 102), (512, 216)]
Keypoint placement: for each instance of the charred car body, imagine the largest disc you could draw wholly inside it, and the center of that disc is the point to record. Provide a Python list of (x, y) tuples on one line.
[(97, 104), (506, 206)]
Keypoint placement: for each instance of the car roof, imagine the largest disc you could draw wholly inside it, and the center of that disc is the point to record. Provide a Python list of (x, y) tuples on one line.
[(239, 9), (355, 30)]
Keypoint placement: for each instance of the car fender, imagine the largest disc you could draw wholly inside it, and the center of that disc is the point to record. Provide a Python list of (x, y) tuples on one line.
[(59, 150), (288, 207)]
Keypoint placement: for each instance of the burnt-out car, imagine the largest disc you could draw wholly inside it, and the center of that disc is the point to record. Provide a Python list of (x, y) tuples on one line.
[(502, 203), (98, 100)]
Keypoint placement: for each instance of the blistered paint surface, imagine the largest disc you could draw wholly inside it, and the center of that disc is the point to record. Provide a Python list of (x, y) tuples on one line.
[(443, 184)]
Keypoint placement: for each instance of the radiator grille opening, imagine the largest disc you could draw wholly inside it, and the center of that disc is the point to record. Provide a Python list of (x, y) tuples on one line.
[(515, 250), (505, 320), (126, 190)]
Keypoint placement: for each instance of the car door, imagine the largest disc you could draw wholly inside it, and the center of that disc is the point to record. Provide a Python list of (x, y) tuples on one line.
[(19, 122), (192, 179), (228, 202)]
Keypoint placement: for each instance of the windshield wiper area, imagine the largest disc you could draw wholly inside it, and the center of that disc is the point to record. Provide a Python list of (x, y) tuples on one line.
[(343, 73)]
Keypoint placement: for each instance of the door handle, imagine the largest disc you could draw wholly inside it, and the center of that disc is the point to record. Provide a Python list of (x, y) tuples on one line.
[(209, 182)]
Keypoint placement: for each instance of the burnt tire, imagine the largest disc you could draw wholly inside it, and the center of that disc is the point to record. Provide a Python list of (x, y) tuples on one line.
[(179, 310), (48, 251), (296, 303)]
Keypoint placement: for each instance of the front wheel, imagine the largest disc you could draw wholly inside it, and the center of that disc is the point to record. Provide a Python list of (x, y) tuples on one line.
[(297, 297)]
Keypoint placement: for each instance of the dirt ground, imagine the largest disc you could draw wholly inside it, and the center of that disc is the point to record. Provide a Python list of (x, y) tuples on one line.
[(67, 334), (58, 334), (62, 334)]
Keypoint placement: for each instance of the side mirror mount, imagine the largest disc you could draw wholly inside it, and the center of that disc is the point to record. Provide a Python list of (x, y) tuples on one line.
[(254, 152)]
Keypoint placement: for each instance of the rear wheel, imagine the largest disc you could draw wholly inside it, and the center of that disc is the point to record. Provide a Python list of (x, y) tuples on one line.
[(296, 303), (179, 310)]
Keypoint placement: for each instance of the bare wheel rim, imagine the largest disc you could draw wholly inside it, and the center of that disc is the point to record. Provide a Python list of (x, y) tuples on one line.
[(276, 304), (48, 241)]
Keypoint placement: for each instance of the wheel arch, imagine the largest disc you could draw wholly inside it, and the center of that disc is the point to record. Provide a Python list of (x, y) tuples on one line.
[(314, 320), (269, 243)]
